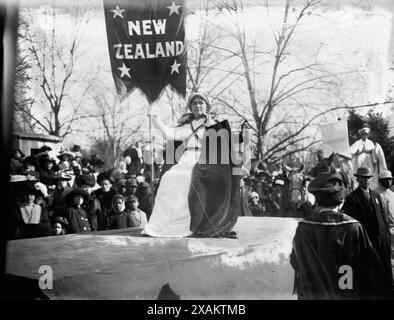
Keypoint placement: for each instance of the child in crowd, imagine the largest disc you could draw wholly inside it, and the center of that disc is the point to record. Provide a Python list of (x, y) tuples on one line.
[(137, 216), (118, 218), (74, 213), (59, 226)]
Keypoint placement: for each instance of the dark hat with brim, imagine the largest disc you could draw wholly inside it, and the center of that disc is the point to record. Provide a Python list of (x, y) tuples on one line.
[(70, 196), (364, 172), (66, 153), (326, 183), (105, 176), (61, 220), (28, 188), (45, 148), (76, 148), (85, 179), (62, 175)]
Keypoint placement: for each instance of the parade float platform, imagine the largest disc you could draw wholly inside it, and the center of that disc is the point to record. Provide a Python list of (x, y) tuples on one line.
[(120, 264)]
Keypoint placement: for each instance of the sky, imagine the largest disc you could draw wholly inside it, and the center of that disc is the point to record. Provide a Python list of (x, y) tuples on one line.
[(352, 38)]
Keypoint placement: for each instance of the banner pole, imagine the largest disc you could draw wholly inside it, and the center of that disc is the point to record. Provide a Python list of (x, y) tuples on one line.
[(151, 150)]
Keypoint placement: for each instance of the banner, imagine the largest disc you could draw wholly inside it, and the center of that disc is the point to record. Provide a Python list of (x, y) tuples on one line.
[(146, 43), (336, 136)]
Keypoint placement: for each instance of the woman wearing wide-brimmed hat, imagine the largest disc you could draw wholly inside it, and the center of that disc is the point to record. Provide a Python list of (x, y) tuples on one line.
[(65, 159), (190, 198), (75, 214), (29, 219)]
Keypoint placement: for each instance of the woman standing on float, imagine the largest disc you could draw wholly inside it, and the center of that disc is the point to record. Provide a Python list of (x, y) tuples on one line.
[(172, 214)]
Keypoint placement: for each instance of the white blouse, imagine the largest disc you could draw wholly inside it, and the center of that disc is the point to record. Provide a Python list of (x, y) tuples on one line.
[(31, 214)]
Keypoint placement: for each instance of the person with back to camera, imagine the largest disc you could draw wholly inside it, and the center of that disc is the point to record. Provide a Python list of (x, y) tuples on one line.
[(195, 197), (332, 255)]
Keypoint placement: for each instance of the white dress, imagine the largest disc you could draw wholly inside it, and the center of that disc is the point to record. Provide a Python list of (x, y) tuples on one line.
[(171, 216), (370, 155)]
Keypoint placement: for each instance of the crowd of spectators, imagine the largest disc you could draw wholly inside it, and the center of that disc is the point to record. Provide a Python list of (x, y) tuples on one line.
[(71, 194)]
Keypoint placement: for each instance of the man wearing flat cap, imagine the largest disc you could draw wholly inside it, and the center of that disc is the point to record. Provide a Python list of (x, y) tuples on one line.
[(332, 256), (365, 205), (369, 154)]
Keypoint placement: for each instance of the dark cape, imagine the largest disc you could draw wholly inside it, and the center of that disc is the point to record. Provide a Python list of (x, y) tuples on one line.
[(214, 194), (323, 243)]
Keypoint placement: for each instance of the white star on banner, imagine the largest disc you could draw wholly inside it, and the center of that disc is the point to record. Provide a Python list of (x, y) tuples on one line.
[(118, 12), (173, 8), (175, 67), (124, 70)]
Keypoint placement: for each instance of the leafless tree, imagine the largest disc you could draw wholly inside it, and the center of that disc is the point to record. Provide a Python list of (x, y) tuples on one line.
[(280, 112), (58, 97), (116, 125)]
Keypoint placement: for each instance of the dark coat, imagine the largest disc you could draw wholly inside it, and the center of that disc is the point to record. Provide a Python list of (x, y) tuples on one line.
[(105, 199), (57, 201), (78, 220), (119, 220), (323, 243), (47, 177), (372, 216), (94, 213), (144, 195)]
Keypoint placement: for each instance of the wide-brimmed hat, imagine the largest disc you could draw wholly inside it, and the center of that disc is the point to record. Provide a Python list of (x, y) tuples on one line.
[(32, 175), (70, 196), (364, 130), (326, 183), (364, 172), (27, 188), (61, 220), (63, 153), (62, 175), (45, 148), (385, 174), (85, 179)]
